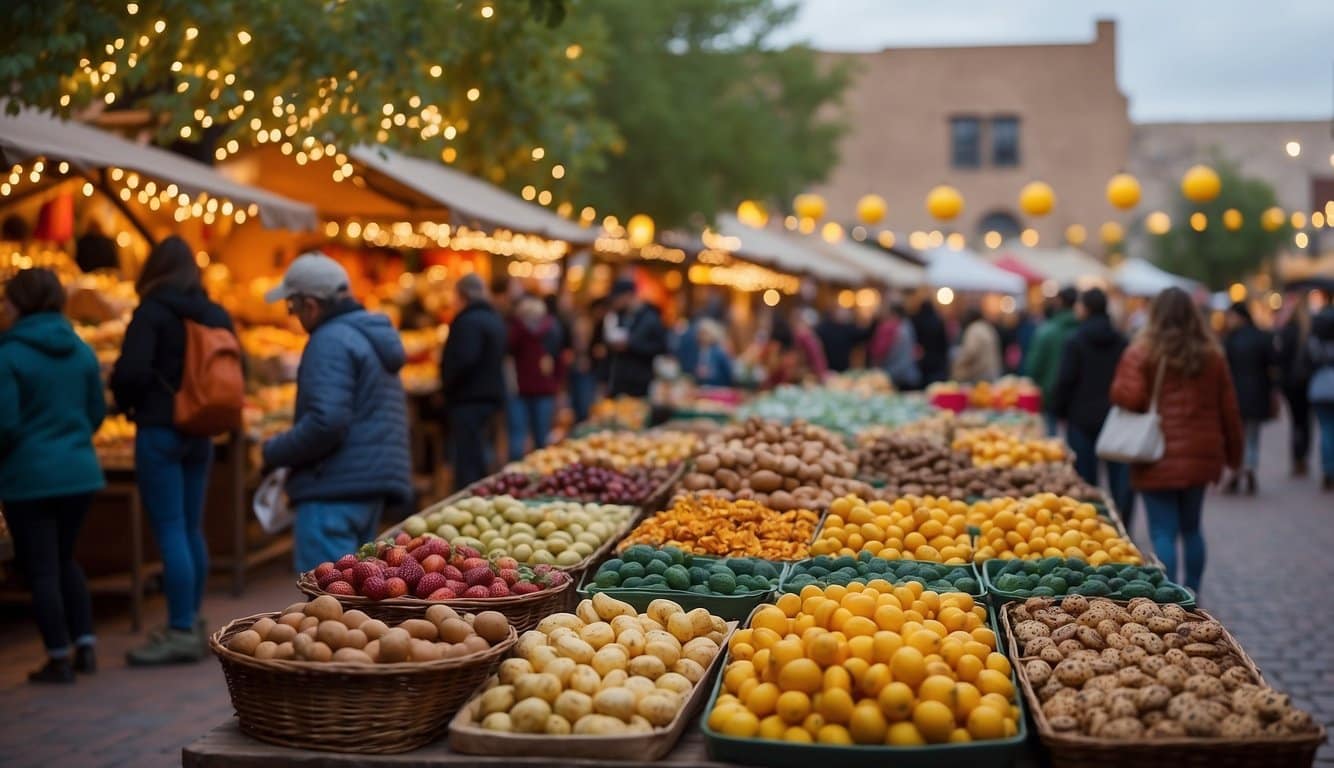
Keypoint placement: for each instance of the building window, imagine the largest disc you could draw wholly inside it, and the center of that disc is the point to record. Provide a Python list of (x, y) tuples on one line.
[(1005, 141), (965, 142)]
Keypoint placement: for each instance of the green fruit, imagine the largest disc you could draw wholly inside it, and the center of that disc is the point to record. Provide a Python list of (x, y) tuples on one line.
[(1044, 592), (967, 584), (698, 575), (700, 589), (662, 557), (631, 569), (740, 566), (765, 570), (677, 556), (1169, 595), (632, 582), (639, 553), (414, 526), (722, 582), (677, 577), (613, 564), (1056, 584), (606, 578), (1137, 588), (656, 567)]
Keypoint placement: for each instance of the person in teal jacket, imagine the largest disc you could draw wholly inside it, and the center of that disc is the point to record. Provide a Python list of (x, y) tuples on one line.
[(51, 403), (1043, 363)]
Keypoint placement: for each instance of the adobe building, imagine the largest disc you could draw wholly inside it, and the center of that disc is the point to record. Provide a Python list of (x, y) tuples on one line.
[(986, 120)]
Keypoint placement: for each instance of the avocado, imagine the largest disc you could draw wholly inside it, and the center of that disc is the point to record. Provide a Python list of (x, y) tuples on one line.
[(722, 582), (631, 569), (677, 577)]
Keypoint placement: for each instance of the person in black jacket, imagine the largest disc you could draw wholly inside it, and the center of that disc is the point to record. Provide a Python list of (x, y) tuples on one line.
[(1294, 376), (472, 378), (635, 334), (1251, 356), (929, 329), (840, 335), (171, 467), (1080, 398)]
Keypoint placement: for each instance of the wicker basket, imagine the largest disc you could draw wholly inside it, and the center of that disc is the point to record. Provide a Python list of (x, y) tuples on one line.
[(340, 707), (523, 611), (1079, 750)]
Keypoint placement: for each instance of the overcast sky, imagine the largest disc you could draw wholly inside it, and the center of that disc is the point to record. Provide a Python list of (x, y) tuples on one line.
[(1177, 59)]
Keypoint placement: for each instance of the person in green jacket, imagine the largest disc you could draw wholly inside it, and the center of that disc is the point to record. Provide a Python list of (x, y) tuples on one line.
[(1043, 363), (51, 403)]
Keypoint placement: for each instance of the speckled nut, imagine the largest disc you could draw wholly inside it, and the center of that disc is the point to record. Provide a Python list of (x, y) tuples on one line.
[(1204, 686), (1208, 650), (1102, 666), (1132, 655), (1166, 729), (1145, 611), (1172, 677), (1035, 604), (1074, 604), (1051, 690), (1236, 726), (1152, 718), (1203, 666), (1173, 640), (1132, 677), (1052, 655), (1298, 721), (1161, 625), (1198, 722), (1019, 614), (1063, 723), (1090, 698), (1102, 683), (1107, 628), (1121, 707), (1174, 612), (1177, 656), (1073, 672), (1059, 706), (1125, 728), (1030, 630), (1180, 703), (1066, 632), (1234, 677), (1090, 638), (1130, 629), (1206, 632), (1038, 671), (1070, 646), (1152, 697), (1116, 641), (1151, 664), (1270, 704)]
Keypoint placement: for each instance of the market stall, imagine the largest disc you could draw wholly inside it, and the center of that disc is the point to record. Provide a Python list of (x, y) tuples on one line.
[(1138, 277)]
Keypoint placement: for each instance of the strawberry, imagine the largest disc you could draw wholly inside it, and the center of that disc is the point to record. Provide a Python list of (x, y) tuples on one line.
[(395, 587), (541, 569), (340, 588), (468, 551), (329, 578), (476, 592), (375, 588), (505, 562), (390, 572), (323, 569), (396, 556), (429, 583), (444, 593), (459, 585), (345, 562), (402, 538), (478, 575), (411, 572), (414, 543), (347, 575), (499, 588), (364, 570), (452, 573), (509, 575), (557, 578), (525, 588), (474, 562), (433, 563)]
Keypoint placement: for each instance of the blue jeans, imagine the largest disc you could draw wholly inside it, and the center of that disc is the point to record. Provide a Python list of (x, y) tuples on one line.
[(1250, 432), (1324, 416), (1118, 474), (1176, 515), (525, 415), (327, 530), (1052, 423), (583, 391), (172, 472)]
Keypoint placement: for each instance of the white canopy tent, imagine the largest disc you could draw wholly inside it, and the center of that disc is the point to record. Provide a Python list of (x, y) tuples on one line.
[(1065, 266), (1139, 277), (964, 270), (879, 266), (794, 255)]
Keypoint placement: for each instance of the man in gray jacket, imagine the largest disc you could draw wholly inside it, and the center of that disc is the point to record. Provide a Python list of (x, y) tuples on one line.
[(348, 446)]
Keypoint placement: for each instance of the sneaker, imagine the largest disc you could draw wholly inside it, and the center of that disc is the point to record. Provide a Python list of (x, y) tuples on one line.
[(85, 660), (171, 647), (55, 671)]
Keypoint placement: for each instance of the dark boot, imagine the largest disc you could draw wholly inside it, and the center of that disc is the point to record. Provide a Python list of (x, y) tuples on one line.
[(1299, 468), (1328, 483), (85, 660), (55, 671), (1250, 482), (1230, 487), (174, 646)]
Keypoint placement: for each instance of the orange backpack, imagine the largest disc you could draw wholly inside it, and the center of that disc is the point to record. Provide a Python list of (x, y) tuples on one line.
[(212, 388)]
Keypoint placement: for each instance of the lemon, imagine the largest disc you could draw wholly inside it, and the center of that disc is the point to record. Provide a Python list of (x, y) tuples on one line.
[(934, 720), (986, 723), (772, 727), (833, 734), (741, 723), (800, 675), (867, 724), (896, 700), (904, 734), (908, 665), (763, 699), (793, 707)]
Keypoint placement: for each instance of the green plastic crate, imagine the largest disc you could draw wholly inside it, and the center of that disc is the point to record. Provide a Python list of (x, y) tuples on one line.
[(981, 586), (729, 607), (999, 597)]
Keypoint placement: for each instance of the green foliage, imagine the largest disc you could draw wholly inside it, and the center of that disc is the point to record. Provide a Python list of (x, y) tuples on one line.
[(1219, 256), (709, 113), (332, 66)]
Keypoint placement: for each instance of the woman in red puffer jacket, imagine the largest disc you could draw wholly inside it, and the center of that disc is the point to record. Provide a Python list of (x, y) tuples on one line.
[(1201, 424)]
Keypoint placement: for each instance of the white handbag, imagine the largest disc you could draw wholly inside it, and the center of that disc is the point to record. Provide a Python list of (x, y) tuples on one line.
[(270, 504), (1133, 438)]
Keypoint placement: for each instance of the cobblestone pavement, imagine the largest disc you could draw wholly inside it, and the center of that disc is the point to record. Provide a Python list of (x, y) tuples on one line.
[(1269, 569)]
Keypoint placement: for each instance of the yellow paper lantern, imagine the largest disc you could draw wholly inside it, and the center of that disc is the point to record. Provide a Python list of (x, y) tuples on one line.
[(1123, 191), (1037, 198), (809, 206), (1112, 232), (832, 232), (944, 202), (1075, 234), (1201, 184), (871, 209), (752, 214), (640, 230), (1232, 219), (1158, 223), (1272, 219), (1199, 222)]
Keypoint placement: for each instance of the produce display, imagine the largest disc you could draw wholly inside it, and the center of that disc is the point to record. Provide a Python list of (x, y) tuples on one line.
[(861, 382), (582, 482), (623, 412), (1143, 671), (783, 466), (1019, 423), (114, 442), (1047, 525), (824, 570), (616, 450), (672, 570), (561, 533), (430, 568), (269, 410), (1056, 576), (996, 447), (1005, 393), (923, 466), (868, 664), (604, 669), (844, 411), (321, 631), (930, 529), (705, 524)]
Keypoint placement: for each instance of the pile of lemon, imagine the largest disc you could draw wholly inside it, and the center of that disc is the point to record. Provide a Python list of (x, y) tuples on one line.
[(998, 447), (914, 528), (867, 664), (1047, 525)]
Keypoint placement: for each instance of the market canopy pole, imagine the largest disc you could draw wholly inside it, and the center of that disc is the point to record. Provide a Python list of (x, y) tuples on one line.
[(103, 185)]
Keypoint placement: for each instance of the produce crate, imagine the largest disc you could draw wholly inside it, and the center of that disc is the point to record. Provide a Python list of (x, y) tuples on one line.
[(523, 611), (786, 754), (342, 707), (1078, 751), (729, 607), (890, 577), (999, 597), (468, 737)]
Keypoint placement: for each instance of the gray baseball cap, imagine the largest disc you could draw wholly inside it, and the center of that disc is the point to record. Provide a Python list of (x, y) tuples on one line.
[(312, 274)]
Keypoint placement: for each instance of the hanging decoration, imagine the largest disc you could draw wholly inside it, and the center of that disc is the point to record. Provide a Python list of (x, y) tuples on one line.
[(871, 209), (1112, 232), (752, 214), (944, 202), (809, 206), (1123, 191), (1201, 184), (1037, 198)]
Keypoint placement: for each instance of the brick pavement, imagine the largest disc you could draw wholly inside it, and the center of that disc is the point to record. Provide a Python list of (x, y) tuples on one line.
[(1269, 562)]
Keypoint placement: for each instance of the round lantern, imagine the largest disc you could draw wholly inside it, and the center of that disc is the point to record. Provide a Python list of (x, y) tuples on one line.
[(1075, 234), (1037, 198), (1123, 191), (1201, 184), (1112, 232), (832, 232), (944, 202), (1232, 219), (640, 230), (1158, 223), (871, 209), (752, 214), (1272, 219), (809, 206)]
